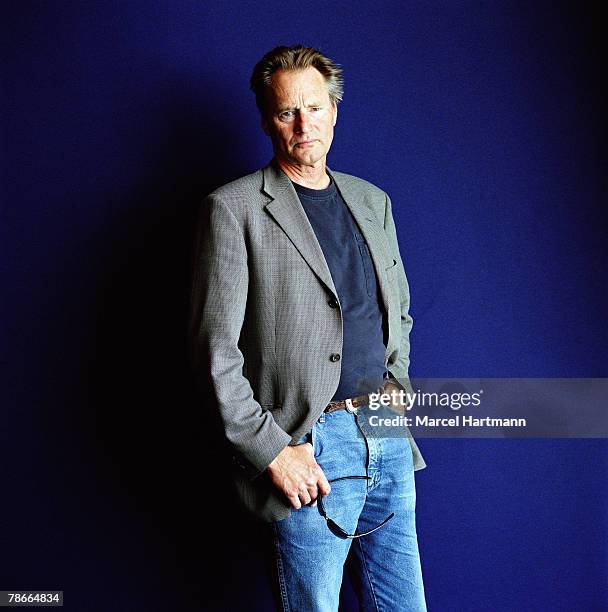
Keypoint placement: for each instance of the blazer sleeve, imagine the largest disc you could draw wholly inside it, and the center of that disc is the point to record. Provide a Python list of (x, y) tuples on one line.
[(400, 369), (219, 296)]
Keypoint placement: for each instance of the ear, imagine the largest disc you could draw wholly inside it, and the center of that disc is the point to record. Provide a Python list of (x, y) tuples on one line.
[(335, 112)]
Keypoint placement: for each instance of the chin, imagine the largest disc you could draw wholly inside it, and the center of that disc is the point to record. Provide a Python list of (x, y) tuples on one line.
[(309, 160)]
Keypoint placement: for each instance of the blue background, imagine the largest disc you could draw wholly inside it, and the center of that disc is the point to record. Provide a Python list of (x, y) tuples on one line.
[(484, 123)]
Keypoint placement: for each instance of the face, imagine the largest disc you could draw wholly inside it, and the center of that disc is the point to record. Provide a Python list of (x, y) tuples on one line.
[(300, 117)]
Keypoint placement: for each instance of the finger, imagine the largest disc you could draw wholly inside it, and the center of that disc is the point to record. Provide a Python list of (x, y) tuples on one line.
[(313, 491), (295, 502), (322, 484), (305, 498)]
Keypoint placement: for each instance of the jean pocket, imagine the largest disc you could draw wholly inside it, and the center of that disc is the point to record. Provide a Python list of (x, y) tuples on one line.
[(303, 439), (317, 440)]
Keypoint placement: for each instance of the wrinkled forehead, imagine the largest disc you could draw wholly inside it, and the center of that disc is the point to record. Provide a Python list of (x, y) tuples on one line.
[(294, 88)]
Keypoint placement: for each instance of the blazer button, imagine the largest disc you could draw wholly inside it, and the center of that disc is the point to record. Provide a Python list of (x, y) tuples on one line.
[(334, 357), (333, 303)]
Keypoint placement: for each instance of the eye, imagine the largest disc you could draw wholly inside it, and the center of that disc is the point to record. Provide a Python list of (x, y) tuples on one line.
[(316, 109), (286, 115)]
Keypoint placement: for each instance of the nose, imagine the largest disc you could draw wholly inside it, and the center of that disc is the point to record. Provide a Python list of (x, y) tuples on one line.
[(303, 122)]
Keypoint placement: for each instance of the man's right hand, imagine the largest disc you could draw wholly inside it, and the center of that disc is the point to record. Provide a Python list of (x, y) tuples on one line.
[(295, 472)]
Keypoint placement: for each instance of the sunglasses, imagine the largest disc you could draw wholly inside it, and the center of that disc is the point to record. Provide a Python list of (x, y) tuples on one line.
[(334, 527)]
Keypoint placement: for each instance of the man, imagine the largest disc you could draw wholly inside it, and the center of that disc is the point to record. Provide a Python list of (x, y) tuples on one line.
[(300, 310)]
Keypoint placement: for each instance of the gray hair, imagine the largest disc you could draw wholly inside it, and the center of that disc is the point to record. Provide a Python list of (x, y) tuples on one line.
[(295, 58)]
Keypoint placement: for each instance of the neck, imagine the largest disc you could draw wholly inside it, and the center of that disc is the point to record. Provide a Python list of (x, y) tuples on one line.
[(313, 177)]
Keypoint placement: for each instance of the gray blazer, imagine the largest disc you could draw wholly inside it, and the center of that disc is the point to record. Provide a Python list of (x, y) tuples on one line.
[(262, 328)]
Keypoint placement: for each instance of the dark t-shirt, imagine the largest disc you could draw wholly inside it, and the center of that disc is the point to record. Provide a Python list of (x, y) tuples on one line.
[(352, 270)]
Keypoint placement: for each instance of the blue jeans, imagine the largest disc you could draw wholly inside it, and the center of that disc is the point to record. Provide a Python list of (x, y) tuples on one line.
[(384, 566)]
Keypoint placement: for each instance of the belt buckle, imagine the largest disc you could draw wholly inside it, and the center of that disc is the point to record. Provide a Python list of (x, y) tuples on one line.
[(349, 406)]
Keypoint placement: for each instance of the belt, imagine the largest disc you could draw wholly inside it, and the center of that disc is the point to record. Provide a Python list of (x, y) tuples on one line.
[(352, 403)]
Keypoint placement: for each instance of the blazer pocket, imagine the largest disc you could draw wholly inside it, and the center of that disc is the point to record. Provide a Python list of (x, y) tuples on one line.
[(272, 407)]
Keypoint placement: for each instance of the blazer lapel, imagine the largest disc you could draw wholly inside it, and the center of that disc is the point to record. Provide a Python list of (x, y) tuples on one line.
[(288, 212), (286, 209)]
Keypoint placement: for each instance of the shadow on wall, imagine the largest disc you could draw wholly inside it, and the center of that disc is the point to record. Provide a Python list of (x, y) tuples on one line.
[(151, 433)]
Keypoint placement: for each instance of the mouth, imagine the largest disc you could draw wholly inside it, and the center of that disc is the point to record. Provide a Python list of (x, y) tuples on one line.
[(305, 143)]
